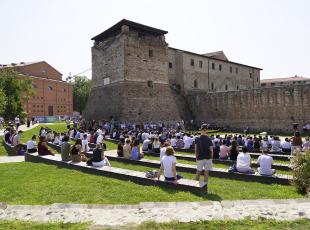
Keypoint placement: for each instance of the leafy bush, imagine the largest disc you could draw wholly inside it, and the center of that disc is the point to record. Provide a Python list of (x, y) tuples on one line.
[(301, 172)]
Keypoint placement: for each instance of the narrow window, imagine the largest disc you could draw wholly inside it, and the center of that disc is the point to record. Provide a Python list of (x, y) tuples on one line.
[(213, 66), (212, 86), (170, 65), (192, 62), (236, 70), (150, 84), (226, 87), (230, 69), (200, 64), (151, 53), (237, 87), (251, 75), (220, 67), (257, 79), (195, 84)]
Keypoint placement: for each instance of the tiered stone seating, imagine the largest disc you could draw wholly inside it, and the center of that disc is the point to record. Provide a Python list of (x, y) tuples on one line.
[(216, 172), (119, 173)]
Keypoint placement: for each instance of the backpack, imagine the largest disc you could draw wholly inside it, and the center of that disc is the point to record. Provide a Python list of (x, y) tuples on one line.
[(151, 174), (89, 162)]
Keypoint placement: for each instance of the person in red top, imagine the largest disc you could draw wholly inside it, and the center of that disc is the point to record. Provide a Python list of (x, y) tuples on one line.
[(92, 137), (42, 147)]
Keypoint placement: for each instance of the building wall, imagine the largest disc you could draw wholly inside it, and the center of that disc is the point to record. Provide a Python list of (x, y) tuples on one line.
[(49, 90), (202, 76), (53, 93), (263, 109), (108, 61)]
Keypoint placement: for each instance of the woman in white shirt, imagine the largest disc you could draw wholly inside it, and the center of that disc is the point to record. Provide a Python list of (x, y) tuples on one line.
[(168, 165), (32, 145), (156, 145), (244, 161)]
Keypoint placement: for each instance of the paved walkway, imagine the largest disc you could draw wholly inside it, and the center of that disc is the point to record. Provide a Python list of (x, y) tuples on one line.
[(11, 159), (22, 127), (118, 215)]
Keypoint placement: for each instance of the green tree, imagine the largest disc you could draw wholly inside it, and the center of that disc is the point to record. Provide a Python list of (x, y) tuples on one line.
[(81, 91), (16, 90), (3, 102)]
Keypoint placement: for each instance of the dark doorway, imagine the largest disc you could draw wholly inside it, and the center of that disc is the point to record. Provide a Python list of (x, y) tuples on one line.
[(50, 110)]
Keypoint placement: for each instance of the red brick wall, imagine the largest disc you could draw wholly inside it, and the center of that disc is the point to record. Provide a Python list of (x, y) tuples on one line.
[(49, 89)]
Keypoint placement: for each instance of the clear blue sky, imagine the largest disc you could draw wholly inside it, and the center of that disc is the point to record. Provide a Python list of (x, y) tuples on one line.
[(271, 34)]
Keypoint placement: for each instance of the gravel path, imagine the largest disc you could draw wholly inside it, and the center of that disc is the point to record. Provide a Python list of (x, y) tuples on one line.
[(118, 215)]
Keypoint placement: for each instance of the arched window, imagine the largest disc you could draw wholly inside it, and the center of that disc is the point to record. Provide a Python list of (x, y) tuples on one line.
[(212, 86), (226, 87)]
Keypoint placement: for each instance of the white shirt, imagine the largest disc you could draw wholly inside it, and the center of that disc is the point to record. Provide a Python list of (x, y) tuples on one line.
[(188, 141), (286, 145), (145, 144), (99, 131), (162, 153), (243, 161), (276, 146), (56, 140), (85, 147), (16, 120), (265, 162), (167, 162), (99, 139), (145, 136), (31, 144), (173, 142)]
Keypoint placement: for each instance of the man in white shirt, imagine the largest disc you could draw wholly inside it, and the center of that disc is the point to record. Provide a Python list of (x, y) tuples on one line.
[(265, 162), (145, 145), (99, 139), (188, 141), (244, 161), (286, 146)]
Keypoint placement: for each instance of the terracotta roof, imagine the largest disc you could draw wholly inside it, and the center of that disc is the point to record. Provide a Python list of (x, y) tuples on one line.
[(285, 79), (18, 64), (132, 25)]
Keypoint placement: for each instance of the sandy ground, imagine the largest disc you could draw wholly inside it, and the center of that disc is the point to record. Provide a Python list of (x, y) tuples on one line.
[(120, 215)]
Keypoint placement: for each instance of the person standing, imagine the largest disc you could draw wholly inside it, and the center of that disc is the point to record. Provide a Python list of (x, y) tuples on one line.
[(17, 122), (204, 153)]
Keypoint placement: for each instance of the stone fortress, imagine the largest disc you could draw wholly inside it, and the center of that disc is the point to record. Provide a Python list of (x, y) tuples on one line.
[(138, 78)]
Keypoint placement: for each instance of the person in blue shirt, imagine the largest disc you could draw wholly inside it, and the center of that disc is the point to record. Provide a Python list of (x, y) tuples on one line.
[(135, 151)]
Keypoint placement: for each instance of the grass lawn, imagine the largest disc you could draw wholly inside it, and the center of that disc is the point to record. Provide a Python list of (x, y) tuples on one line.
[(31, 183), (211, 225), (230, 225), (21, 225)]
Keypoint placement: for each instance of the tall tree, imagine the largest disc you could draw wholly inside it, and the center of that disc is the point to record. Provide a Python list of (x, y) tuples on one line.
[(3, 102), (16, 90), (81, 91)]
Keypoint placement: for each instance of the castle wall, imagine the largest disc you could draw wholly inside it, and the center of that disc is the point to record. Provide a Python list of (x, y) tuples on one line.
[(263, 109), (108, 61)]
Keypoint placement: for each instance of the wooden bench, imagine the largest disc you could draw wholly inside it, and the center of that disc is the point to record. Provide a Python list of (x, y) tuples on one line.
[(216, 172), (118, 173)]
